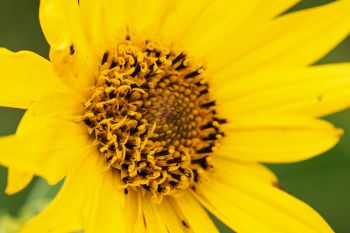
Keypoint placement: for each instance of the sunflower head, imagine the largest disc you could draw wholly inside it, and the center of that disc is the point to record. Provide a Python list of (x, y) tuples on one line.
[(152, 117)]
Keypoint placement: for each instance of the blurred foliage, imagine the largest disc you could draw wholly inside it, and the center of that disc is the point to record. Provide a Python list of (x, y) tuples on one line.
[(322, 182)]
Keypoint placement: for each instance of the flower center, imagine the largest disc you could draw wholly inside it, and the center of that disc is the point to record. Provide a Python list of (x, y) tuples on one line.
[(152, 117)]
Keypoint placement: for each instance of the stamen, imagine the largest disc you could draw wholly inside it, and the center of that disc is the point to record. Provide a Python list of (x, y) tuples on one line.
[(208, 104)]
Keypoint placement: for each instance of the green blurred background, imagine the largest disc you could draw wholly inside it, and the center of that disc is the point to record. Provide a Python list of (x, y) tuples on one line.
[(322, 182)]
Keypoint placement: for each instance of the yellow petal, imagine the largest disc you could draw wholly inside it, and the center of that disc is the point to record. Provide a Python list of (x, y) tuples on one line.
[(202, 25), (17, 180), (134, 221), (106, 22), (249, 168), (277, 138), (273, 9), (313, 91), (247, 204), (292, 40), (47, 128), (72, 58), (104, 208), (224, 24), (93, 24), (182, 14), (174, 221), (114, 15), (180, 214), (30, 152), (63, 214), (195, 215), (25, 77), (55, 106), (215, 23), (147, 22), (153, 219)]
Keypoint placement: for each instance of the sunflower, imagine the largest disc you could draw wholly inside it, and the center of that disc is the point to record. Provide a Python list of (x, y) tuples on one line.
[(156, 111)]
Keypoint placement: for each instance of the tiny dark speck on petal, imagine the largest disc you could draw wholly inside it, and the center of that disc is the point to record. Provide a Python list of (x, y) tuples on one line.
[(144, 220), (71, 50), (277, 185), (320, 97), (185, 224)]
